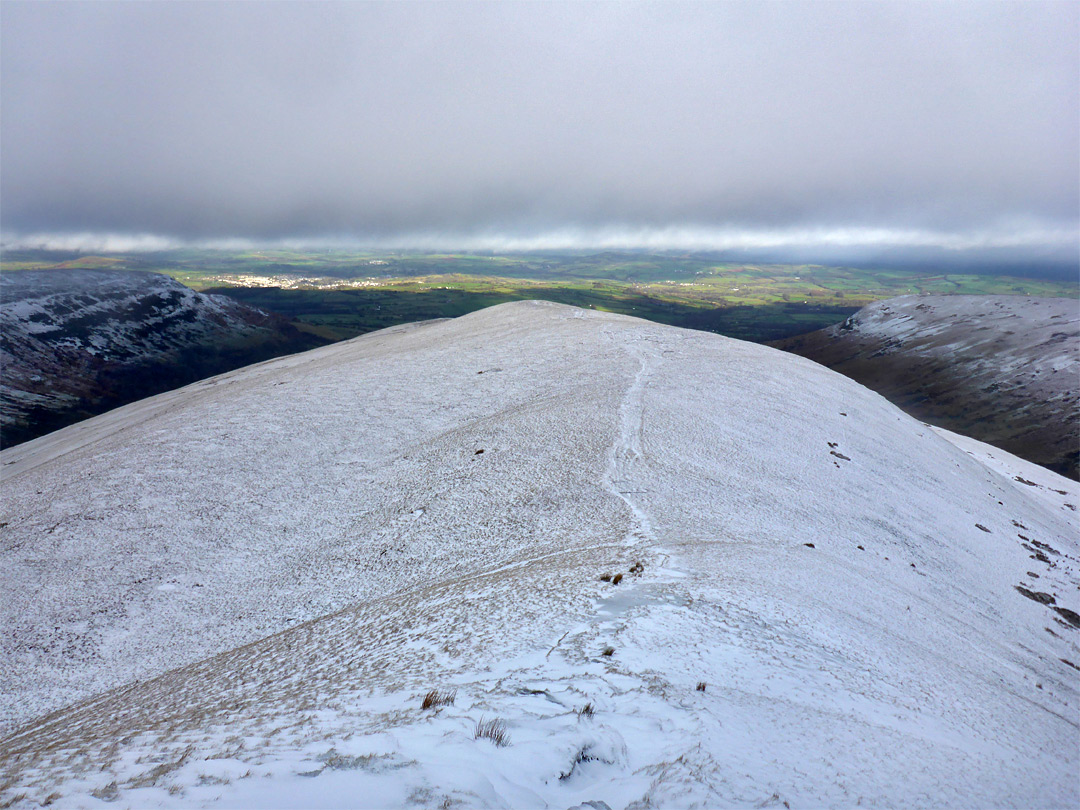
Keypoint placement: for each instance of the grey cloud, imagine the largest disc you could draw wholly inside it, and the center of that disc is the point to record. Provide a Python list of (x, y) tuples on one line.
[(370, 121)]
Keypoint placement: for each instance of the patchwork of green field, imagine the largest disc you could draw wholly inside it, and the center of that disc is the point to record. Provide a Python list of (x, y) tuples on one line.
[(340, 294), (345, 312)]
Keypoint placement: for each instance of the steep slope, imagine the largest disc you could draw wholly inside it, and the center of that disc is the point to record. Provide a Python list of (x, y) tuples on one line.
[(76, 342), (1004, 369), (252, 582)]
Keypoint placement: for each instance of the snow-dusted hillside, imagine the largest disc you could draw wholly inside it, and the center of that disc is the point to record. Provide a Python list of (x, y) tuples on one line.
[(681, 570), (74, 342), (1002, 368)]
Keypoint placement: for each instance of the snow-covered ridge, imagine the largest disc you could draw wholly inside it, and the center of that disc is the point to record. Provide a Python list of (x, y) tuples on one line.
[(288, 557), (1004, 369), (93, 310), (1036, 334)]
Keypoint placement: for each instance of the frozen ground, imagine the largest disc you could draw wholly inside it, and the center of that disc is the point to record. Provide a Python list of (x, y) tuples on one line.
[(251, 584), (1004, 369)]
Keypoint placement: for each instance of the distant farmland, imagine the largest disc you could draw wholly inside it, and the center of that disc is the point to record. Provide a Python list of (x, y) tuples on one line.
[(340, 294)]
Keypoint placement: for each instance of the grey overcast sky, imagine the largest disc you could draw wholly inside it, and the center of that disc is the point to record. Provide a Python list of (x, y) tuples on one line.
[(913, 125)]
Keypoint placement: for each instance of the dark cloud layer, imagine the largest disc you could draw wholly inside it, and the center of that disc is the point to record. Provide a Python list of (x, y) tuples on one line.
[(919, 122)]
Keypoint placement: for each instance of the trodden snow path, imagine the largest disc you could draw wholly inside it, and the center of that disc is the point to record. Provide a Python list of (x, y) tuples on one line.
[(627, 448), (841, 579)]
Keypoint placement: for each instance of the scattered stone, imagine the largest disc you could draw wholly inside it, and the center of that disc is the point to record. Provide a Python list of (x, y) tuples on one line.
[(1038, 596), (1036, 554), (1071, 616), (1045, 547)]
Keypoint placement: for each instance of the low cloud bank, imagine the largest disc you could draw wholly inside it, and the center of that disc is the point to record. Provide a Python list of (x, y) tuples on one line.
[(668, 238), (717, 126)]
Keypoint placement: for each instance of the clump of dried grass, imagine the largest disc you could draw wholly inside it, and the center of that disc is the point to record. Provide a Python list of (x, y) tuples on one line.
[(494, 730), (434, 699)]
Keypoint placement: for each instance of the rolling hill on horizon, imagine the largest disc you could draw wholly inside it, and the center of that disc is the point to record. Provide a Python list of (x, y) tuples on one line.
[(623, 565)]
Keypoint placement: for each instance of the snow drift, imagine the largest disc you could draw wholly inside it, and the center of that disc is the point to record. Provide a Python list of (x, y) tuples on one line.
[(676, 569)]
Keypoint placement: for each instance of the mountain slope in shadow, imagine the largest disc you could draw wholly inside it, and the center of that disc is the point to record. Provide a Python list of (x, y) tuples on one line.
[(1002, 369), (78, 342)]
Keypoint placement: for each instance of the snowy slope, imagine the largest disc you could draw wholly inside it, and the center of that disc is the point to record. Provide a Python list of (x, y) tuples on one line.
[(74, 342), (252, 582), (1004, 369)]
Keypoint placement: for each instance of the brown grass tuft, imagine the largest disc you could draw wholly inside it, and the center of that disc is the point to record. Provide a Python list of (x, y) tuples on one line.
[(494, 730), (435, 698)]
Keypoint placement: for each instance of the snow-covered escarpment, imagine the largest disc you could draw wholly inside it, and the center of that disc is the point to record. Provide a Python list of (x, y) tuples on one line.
[(638, 565), (75, 342), (1004, 369)]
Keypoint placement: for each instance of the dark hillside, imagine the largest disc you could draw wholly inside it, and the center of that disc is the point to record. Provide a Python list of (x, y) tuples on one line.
[(78, 342), (1002, 369)]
